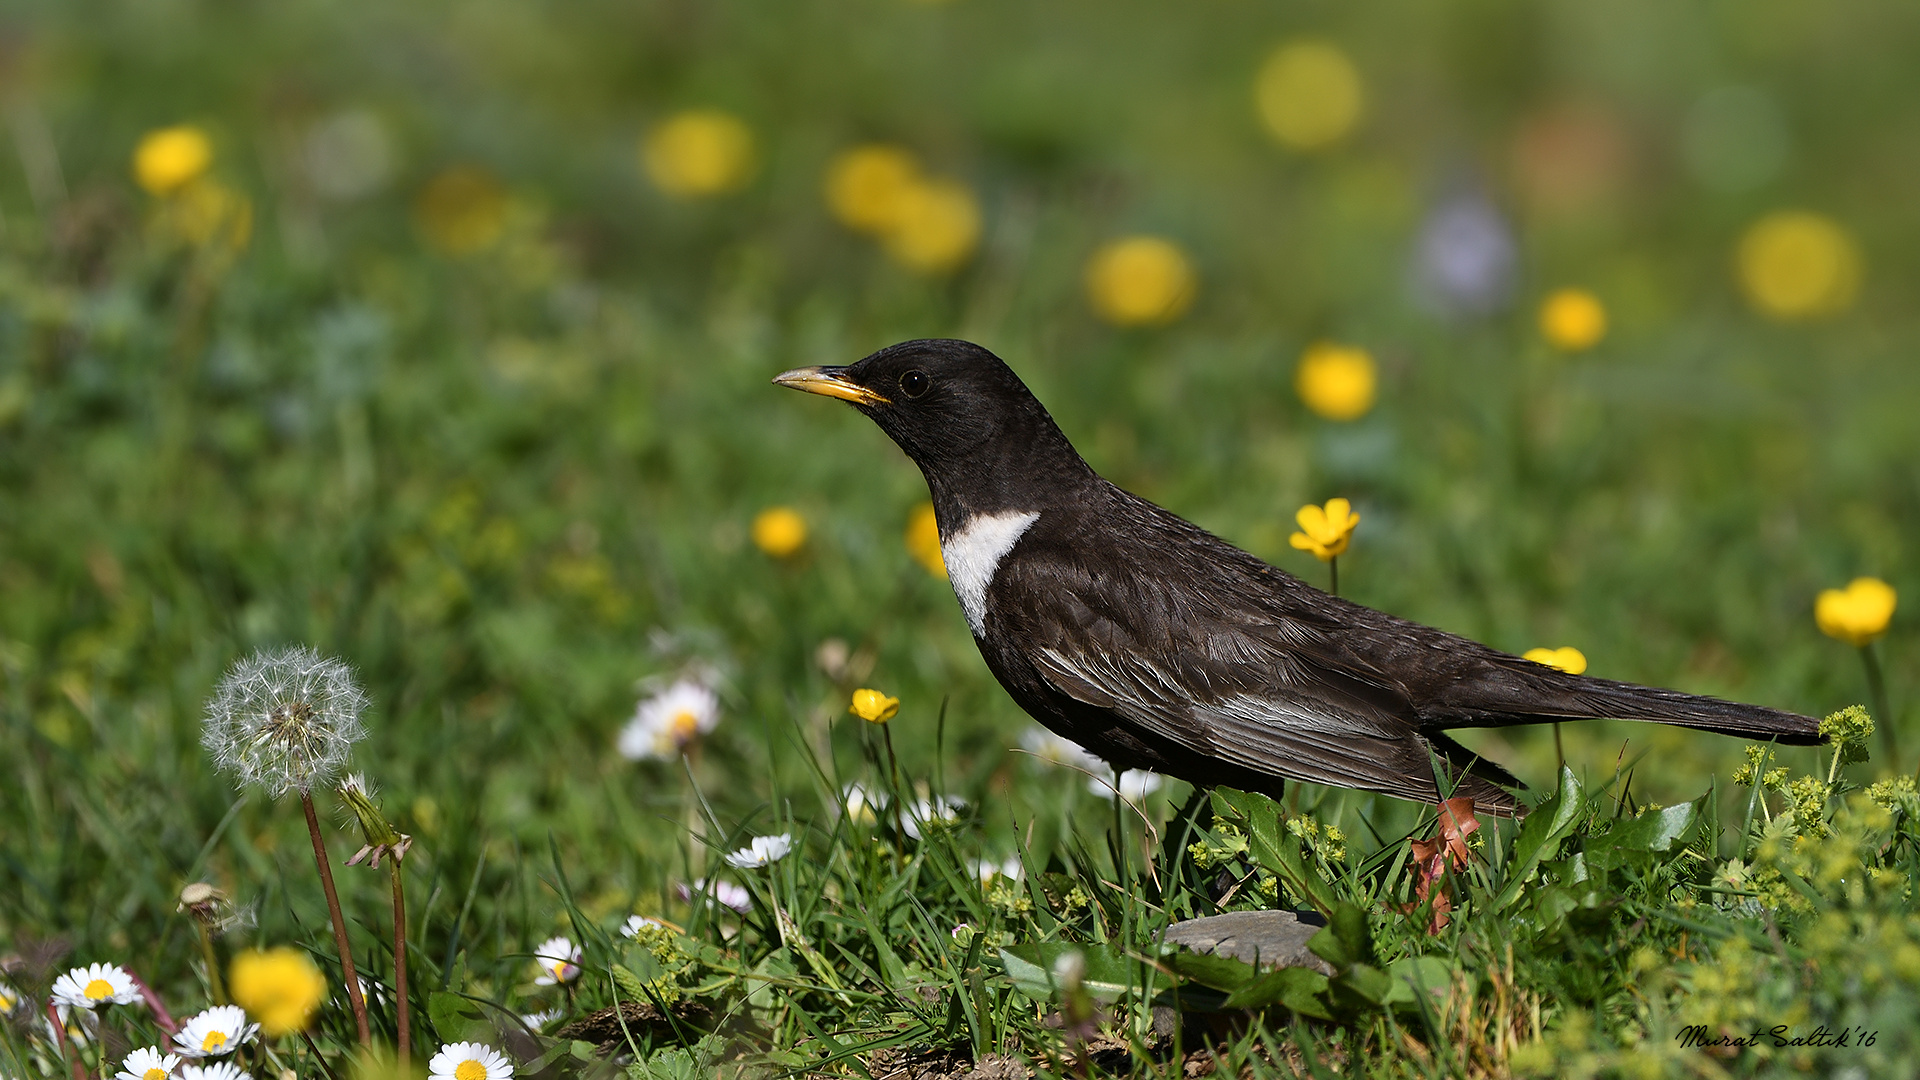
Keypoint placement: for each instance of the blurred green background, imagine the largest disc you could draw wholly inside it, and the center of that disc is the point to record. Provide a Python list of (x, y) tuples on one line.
[(426, 368)]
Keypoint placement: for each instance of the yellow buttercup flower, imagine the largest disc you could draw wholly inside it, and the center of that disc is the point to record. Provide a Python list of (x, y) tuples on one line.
[(1566, 658), (873, 706), (462, 210), (1858, 613), (170, 158), (779, 531), (699, 152), (1140, 281), (923, 540), (1573, 320), (280, 987), (1309, 94), (1336, 381), (1325, 530), (867, 186), (936, 226), (1798, 265)]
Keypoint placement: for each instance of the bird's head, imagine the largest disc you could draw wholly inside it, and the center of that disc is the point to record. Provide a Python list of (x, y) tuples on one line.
[(952, 406)]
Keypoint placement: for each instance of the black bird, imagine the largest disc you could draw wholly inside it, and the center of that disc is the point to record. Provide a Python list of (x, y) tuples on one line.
[(1157, 645)]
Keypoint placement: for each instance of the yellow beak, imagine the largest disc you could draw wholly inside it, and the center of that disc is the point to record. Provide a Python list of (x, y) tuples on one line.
[(829, 381)]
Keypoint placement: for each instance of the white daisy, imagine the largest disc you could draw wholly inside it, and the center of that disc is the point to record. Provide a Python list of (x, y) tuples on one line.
[(539, 1020), (10, 999), (862, 805), (1135, 784), (725, 893), (635, 923), (1057, 750), (95, 985), (148, 1063), (559, 960), (215, 1033), (932, 813), (666, 722), (469, 1061), (763, 851), (214, 1070)]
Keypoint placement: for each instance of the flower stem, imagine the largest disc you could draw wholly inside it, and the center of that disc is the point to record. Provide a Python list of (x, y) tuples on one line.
[(1882, 712), (1333, 571), (403, 1013), (347, 973), (65, 1040), (215, 988)]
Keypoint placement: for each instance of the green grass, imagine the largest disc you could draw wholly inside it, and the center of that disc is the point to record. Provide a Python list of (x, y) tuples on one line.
[(508, 487)]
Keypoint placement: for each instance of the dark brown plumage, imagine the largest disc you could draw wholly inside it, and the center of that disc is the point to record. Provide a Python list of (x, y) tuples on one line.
[(1159, 646)]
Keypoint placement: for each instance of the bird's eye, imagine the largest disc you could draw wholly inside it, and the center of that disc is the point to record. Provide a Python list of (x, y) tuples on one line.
[(915, 382)]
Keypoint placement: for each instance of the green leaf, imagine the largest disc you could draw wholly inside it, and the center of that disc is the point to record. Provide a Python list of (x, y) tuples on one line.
[(1540, 837), (1361, 983), (1653, 831), (1109, 973), (1259, 817), (1346, 940), (1413, 974), (1302, 990), (1219, 972), (458, 1019)]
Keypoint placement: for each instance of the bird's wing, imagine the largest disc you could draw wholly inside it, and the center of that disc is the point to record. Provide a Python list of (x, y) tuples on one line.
[(1275, 695)]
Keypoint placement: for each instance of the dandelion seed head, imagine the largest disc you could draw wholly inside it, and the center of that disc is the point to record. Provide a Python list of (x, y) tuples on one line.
[(285, 720)]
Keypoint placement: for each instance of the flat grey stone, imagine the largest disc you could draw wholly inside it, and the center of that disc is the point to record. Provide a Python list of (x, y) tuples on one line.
[(1261, 938)]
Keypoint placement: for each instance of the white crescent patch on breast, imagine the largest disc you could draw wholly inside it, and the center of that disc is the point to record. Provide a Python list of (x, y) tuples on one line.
[(973, 556)]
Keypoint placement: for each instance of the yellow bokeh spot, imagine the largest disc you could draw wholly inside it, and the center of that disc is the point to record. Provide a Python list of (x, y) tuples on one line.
[(1336, 381), (280, 988), (866, 187), (1858, 613), (1140, 281), (1566, 658), (1325, 530), (98, 990), (923, 540), (936, 228), (1798, 265), (1309, 94), (1573, 320), (470, 1070), (873, 706), (779, 531), (462, 210), (699, 152), (169, 158)]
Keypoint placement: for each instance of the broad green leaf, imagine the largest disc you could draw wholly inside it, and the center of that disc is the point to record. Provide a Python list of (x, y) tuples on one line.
[(1345, 940), (1302, 990), (458, 1019), (1540, 837), (1219, 972), (1413, 974), (1259, 817), (1109, 973)]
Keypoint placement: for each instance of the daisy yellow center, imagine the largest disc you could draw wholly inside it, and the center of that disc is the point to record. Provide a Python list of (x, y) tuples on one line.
[(684, 726), (154, 1074), (560, 969), (98, 989), (470, 1070), (214, 1041)]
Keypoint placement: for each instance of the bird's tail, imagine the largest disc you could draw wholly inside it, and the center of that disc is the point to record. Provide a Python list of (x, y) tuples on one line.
[(1522, 692)]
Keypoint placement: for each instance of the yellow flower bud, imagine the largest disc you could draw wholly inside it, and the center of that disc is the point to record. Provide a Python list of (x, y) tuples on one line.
[(170, 158), (1140, 281), (281, 988), (699, 152), (1326, 530), (1336, 381), (1798, 265), (1858, 613), (1573, 320), (873, 706), (923, 540), (1566, 658), (779, 531)]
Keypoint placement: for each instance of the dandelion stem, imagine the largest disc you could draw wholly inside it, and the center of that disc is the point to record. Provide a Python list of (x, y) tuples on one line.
[(1882, 712), (215, 988), (403, 1014), (347, 973)]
